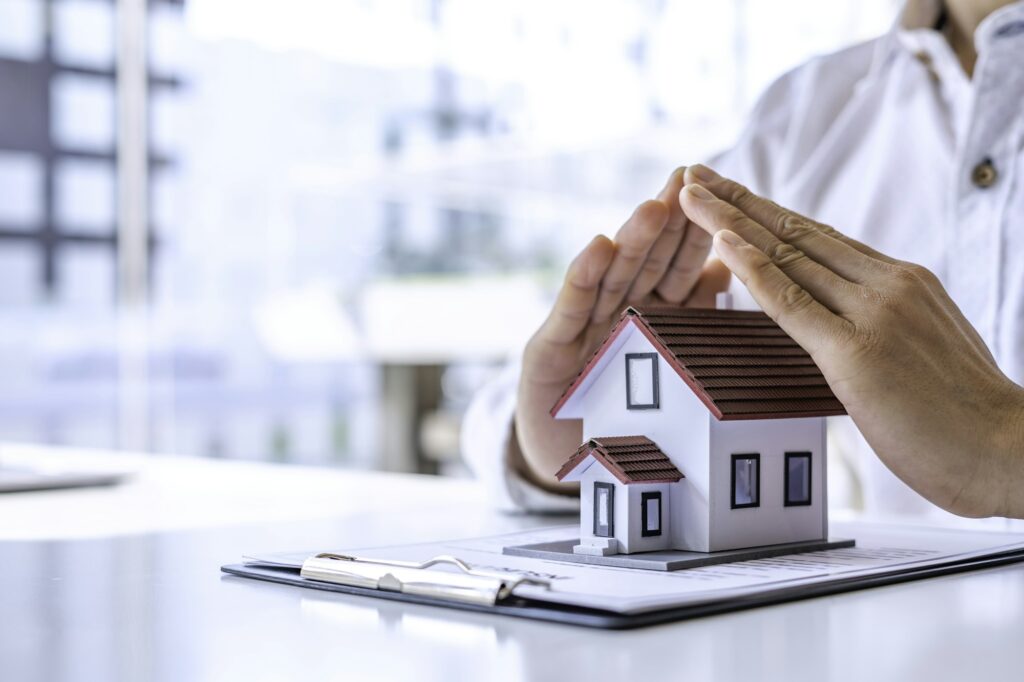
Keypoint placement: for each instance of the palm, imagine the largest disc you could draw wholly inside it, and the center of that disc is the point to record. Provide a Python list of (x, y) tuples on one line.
[(656, 258), (567, 361), (560, 363)]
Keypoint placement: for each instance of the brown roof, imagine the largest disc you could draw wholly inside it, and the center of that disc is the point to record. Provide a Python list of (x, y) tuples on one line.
[(631, 459), (738, 362)]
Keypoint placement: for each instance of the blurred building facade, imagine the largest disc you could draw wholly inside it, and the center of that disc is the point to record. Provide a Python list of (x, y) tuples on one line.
[(336, 187)]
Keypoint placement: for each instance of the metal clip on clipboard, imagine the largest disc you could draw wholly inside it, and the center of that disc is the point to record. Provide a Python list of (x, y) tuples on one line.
[(469, 585)]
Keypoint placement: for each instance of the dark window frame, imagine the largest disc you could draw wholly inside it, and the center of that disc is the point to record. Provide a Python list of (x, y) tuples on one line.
[(644, 498), (50, 236), (655, 388), (756, 457), (785, 492), (600, 485)]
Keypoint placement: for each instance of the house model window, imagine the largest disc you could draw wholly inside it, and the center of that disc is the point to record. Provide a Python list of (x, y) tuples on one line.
[(604, 510), (798, 479), (650, 514), (746, 481), (642, 381)]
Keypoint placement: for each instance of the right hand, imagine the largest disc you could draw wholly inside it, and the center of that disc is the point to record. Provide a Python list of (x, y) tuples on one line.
[(914, 375), (657, 257)]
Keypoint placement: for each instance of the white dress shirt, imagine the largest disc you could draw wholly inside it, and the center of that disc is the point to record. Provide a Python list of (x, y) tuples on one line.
[(890, 142)]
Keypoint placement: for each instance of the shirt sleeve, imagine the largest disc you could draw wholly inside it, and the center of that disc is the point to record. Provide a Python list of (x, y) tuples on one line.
[(486, 432)]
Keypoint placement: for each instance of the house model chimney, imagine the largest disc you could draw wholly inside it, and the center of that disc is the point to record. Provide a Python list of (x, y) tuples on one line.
[(723, 300)]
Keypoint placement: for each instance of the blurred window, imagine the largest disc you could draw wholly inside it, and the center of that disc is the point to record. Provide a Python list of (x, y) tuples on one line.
[(21, 186), (21, 29), (357, 209)]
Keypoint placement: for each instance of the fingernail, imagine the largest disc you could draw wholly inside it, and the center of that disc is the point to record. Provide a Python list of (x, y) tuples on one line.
[(730, 238), (702, 172), (698, 192)]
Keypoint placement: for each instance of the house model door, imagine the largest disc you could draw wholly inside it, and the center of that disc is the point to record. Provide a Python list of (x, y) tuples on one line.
[(604, 510)]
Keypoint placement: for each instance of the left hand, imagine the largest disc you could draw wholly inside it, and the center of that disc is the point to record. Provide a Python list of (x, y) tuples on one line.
[(911, 370), (656, 257)]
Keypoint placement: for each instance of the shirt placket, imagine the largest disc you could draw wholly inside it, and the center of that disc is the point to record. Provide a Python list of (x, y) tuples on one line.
[(976, 260)]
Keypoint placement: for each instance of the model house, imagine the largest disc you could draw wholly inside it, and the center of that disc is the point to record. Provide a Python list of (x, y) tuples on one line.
[(703, 430)]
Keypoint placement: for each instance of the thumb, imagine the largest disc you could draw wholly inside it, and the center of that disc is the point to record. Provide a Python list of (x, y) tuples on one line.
[(714, 279)]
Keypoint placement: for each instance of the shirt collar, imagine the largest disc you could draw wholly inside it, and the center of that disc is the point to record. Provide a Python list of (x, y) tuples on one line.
[(922, 17), (1005, 26), (916, 15), (915, 31)]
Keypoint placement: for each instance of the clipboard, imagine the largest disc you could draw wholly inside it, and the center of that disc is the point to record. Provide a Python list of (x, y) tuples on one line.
[(485, 592)]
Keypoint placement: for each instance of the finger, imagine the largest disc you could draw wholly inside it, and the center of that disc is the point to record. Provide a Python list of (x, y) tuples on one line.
[(685, 269), (662, 253), (853, 259), (632, 243), (714, 215), (713, 280), (575, 302), (791, 306)]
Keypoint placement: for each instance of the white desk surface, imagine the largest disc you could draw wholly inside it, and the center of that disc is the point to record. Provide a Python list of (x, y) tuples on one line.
[(124, 584)]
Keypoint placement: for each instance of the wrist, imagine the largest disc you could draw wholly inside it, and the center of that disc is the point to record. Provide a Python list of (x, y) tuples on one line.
[(1007, 450), (518, 462)]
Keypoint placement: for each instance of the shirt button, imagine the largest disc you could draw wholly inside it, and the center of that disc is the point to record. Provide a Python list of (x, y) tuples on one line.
[(984, 174)]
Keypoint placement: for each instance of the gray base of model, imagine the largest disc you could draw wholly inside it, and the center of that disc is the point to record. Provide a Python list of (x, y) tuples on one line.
[(671, 560)]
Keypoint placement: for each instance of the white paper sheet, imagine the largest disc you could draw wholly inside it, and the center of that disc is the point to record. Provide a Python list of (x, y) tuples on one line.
[(880, 549)]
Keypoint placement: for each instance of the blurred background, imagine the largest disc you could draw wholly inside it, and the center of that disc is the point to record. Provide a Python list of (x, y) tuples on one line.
[(334, 219)]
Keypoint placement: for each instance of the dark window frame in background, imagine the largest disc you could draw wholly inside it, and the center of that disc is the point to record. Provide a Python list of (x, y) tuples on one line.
[(27, 109)]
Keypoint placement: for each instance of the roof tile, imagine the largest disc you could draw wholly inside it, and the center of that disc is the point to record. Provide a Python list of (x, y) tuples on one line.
[(740, 363)]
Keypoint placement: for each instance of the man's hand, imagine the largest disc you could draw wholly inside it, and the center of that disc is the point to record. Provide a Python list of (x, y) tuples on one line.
[(912, 372), (656, 257)]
